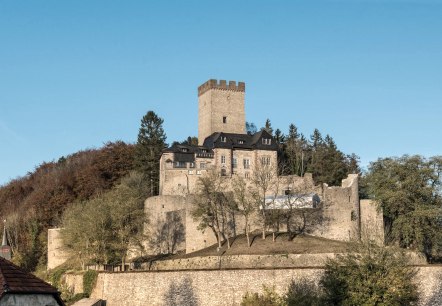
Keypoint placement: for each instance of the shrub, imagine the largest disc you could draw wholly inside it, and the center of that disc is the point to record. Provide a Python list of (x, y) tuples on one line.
[(303, 293), (371, 276), (89, 281), (268, 298)]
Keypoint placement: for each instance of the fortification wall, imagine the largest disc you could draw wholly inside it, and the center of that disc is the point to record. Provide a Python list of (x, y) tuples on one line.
[(339, 218), (340, 211), (372, 222), (224, 287), (57, 254)]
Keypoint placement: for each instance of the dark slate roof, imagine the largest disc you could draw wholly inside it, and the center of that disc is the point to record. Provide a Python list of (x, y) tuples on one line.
[(241, 141), (179, 148), (14, 280)]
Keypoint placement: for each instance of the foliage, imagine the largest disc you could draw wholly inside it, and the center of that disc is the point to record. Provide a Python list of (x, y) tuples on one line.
[(371, 275), (55, 275), (102, 229), (44, 194), (408, 189), (319, 156), (268, 298), (303, 293), (150, 144), (89, 281)]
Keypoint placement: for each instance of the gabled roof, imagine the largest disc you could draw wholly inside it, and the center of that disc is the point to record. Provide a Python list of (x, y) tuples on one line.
[(241, 141), (179, 148), (14, 280)]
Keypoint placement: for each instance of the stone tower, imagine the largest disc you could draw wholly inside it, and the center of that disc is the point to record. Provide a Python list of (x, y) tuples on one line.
[(221, 108)]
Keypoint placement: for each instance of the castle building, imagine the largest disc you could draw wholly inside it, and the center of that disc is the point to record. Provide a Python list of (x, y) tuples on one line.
[(226, 148), (223, 144)]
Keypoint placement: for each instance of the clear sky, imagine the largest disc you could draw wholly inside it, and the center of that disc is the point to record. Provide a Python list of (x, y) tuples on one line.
[(76, 74)]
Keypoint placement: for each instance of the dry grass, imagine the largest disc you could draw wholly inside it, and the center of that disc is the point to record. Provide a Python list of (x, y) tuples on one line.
[(301, 244)]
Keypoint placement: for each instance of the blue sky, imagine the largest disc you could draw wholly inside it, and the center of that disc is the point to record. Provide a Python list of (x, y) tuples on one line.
[(76, 74)]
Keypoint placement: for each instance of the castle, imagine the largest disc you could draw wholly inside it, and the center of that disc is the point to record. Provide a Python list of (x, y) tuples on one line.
[(225, 148)]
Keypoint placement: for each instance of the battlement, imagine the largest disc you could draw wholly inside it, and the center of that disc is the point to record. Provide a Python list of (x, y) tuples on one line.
[(221, 84)]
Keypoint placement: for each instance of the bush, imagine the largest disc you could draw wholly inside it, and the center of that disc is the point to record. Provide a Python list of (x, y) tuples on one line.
[(268, 298), (371, 276), (89, 281), (303, 293)]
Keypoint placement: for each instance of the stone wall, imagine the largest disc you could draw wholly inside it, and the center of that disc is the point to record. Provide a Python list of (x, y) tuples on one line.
[(57, 255), (372, 222), (339, 218), (224, 287), (219, 100), (340, 211)]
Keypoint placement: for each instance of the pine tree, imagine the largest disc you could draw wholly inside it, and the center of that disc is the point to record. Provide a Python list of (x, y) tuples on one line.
[(150, 144)]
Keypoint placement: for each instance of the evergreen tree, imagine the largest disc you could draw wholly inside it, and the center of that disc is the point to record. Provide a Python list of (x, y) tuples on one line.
[(251, 128), (268, 127), (150, 144)]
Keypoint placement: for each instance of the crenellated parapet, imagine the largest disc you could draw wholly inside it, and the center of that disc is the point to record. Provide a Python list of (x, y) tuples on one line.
[(221, 84)]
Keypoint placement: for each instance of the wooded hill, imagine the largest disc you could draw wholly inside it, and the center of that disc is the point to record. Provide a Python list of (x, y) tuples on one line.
[(35, 202)]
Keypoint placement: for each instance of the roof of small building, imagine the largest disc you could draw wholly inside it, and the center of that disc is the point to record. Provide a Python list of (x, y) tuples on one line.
[(14, 280)]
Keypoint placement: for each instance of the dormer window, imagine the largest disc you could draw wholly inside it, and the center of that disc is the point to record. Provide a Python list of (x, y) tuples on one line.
[(223, 138), (184, 150), (267, 141), (241, 141), (204, 150)]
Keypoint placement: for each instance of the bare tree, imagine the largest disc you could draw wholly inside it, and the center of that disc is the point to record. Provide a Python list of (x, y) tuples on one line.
[(264, 181), (213, 206), (244, 198)]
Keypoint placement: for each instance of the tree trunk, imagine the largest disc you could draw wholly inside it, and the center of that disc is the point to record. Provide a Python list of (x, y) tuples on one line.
[(263, 224), (123, 261), (219, 240), (247, 233)]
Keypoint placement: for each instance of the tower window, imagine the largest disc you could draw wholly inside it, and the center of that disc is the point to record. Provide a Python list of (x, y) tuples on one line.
[(223, 159), (223, 139), (224, 119), (235, 162)]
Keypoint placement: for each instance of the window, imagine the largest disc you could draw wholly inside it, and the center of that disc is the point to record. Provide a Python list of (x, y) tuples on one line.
[(190, 171), (223, 139), (203, 165), (235, 163), (246, 163), (246, 175), (224, 119), (223, 159), (192, 165), (223, 172), (265, 160), (198, 172), (267, 141), (204, 150), (241, 141), (184, 150), (180, 164)]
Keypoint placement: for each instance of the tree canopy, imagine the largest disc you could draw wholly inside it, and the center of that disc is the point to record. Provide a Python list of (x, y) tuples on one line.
[(408, 189), (150, 144)]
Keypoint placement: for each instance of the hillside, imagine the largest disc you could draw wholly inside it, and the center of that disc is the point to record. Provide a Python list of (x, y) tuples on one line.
[(35, 202)]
